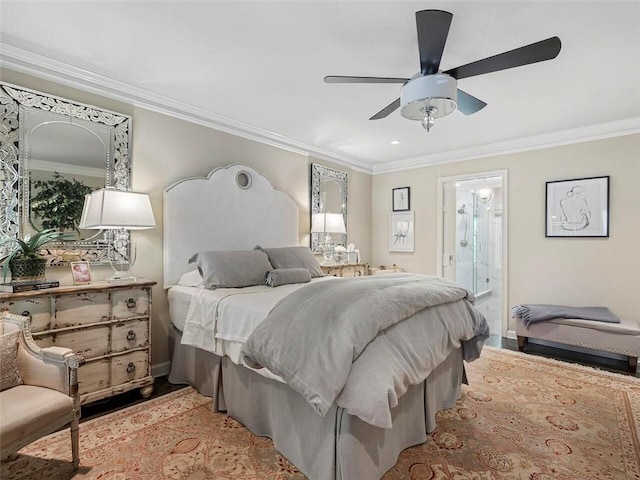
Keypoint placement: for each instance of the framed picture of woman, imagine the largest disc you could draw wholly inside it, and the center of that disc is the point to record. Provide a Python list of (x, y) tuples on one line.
[(578, 207), (400, 201)]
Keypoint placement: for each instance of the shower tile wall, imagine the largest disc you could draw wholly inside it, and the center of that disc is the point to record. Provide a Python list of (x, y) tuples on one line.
[(488, 255)]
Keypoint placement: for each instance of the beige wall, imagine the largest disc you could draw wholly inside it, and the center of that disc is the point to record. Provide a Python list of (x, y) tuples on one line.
[(566, 271), (589, 271), (166, 149)]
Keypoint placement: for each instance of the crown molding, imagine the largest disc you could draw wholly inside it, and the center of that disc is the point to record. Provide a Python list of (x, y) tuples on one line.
[(555, 139), (41, 66), (24, 61), (66, 168)]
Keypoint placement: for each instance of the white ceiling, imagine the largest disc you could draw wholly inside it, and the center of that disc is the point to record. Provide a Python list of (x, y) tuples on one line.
[(257, 68)]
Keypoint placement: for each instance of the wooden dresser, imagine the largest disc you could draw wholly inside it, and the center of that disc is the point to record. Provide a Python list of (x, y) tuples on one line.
[(108, 324), (345, 269)]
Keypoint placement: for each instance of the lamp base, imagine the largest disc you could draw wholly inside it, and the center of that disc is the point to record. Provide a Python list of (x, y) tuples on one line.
[(122, 277)]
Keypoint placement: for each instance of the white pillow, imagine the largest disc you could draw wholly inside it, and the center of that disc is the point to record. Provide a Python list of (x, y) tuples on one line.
[(191, 279)]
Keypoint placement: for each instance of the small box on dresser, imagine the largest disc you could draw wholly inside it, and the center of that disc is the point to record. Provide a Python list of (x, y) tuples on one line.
[(108, 324)]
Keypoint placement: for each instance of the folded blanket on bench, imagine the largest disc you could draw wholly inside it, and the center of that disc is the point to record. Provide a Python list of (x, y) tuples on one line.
[(536, 312)]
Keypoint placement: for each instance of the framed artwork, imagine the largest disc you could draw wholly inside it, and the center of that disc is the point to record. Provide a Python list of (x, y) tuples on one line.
[(401, 232), (400, 200), (577, 208), (80, 272)]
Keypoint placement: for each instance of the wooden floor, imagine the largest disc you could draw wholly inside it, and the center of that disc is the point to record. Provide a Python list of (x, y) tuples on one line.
[(162, 385)]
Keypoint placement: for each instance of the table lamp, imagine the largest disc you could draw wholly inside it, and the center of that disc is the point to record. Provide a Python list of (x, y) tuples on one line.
[(111, 209), (326, 224)]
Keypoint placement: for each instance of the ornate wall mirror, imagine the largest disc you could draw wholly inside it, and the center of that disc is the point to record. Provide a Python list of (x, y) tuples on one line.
[(328, 195), (53, 152)]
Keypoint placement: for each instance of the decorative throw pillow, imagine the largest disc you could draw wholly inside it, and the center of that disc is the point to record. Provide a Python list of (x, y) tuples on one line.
[(293, 257), (287, 276), (232, 269), (9, 374)]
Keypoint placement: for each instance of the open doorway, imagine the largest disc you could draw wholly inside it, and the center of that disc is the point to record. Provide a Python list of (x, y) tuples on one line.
[(472, 240)]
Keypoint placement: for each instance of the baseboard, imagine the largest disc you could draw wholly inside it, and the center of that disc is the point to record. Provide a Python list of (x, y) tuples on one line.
[(511, 334), (160, 369)]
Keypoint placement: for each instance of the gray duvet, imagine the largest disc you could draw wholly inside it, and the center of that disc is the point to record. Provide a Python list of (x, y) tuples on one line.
[(362, 342)]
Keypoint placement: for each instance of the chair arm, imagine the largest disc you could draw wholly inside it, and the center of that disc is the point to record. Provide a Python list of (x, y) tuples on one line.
[(50, 367), (55, 368), (62, 355)]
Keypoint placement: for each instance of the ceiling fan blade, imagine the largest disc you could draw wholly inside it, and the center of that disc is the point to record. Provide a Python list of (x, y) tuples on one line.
[(348, 79), (533, 53), (433, 28), (469, 104), (386, 110)]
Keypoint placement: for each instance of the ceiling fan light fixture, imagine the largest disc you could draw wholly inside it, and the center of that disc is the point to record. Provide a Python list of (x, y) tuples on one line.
[(428, 120), (434, 96)]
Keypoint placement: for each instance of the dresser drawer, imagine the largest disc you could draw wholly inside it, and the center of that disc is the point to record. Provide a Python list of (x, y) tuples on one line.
[(38, 308), (81, 309), (93, 376), (128, 335), (130, 366), (129, 303), (89, 342), (345, 270)]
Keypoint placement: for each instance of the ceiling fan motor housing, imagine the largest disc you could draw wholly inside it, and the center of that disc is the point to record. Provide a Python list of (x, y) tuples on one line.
[(419, 95)]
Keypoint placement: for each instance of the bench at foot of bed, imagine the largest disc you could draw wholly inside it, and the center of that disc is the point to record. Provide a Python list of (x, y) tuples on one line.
[(622, 338)]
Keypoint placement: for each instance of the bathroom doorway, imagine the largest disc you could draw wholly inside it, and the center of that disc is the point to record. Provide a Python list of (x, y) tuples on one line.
[(472, 240)]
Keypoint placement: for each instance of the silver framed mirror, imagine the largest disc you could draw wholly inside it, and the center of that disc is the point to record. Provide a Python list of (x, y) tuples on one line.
[(328, 195), (54, 146)]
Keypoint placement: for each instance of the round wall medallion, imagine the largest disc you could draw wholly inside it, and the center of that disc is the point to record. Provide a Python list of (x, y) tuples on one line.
[(243, 179)]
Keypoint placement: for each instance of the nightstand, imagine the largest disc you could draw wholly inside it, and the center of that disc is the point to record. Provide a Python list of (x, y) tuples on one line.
[(345, 269), (385, 269), (109, 325)]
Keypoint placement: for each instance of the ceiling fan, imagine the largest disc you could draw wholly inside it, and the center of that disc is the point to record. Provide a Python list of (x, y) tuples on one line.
[(432, 93)]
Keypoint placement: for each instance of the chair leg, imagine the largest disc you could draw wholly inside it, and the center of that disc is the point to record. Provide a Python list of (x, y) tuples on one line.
[(75, 444)]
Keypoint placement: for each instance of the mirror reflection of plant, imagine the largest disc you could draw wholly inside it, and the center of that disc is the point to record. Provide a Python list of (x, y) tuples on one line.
[(14, 248), (59, 202)]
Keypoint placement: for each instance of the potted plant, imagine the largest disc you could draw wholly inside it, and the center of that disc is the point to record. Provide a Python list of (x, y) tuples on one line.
[(22, 257), (59, 202)]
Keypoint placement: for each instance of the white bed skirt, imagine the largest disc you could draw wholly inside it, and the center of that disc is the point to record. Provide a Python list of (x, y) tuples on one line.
[(338, 446)]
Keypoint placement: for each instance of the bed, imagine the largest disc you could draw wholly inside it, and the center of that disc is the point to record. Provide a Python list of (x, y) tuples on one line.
[(234, 209)]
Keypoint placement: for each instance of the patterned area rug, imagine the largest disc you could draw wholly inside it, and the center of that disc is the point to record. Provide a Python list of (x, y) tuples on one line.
[(522, 417)]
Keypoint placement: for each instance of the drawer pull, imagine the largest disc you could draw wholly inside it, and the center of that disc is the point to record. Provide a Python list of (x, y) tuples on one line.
[(131, 303), (131, 335), (26, 313), (131, 367)]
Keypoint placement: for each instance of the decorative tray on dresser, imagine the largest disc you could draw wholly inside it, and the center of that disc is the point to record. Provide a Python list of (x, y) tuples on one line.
[(107, 324)]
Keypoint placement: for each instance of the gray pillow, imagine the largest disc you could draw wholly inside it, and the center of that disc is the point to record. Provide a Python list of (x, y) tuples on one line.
[(232, 269), (286, 276), (293, 257)]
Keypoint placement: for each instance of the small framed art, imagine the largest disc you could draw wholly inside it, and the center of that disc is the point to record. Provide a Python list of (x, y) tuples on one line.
[(577, 207), (401, 232), (400, 200), (80, 272)]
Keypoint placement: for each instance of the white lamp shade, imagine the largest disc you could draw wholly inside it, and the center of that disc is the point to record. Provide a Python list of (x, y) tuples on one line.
[(328, 223), (112, 209)]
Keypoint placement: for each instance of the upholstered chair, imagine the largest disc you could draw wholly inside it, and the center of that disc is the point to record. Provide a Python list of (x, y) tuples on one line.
[(39, 391)]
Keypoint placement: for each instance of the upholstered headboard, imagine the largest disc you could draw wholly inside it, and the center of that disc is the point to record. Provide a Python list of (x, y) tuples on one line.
[(233, 208)]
